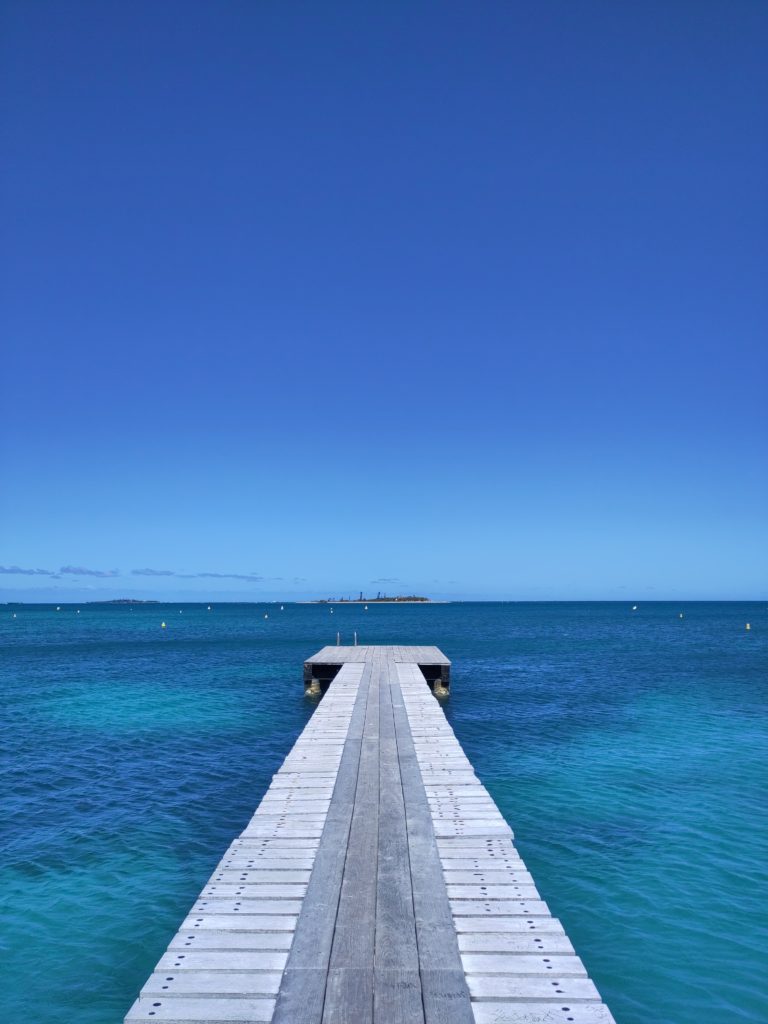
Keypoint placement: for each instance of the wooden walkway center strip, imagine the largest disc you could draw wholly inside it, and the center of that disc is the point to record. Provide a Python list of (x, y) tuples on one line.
[(377, 882)]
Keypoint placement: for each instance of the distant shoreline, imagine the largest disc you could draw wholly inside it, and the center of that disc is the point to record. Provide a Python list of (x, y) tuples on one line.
[(377, 600)]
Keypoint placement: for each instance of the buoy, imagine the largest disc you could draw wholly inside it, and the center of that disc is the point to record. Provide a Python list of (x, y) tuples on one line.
[(209, 607), (266, 615), (331, 611), (179, 611), (748, 625), (634, 607), (366, 608), (78, 611), (58, 607), (281, 608), (163, 626), (14, 615), (681, 615)]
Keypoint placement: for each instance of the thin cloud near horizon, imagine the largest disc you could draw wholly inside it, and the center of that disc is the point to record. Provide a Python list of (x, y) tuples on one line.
[(78, 570), (16, 570), (56, 574)]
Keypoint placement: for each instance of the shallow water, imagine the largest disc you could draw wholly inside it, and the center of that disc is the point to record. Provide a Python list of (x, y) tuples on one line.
[(625, 748)]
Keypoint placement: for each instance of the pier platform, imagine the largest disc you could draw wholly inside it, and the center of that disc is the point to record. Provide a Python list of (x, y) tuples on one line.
[(376, 882)]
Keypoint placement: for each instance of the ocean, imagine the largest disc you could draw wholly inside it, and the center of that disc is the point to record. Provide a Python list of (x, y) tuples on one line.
[(626, 749)]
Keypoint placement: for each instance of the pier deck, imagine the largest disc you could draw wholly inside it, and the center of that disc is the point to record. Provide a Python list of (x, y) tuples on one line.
[(376, 882)]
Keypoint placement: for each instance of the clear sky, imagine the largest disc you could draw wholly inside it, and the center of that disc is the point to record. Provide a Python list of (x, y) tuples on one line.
[(465, 298)]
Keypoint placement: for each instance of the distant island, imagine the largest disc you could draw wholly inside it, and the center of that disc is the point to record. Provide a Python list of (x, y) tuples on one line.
[(124, 600), (379, 599)]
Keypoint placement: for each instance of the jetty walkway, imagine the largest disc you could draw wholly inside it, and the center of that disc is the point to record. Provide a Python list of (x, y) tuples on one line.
[(376, 882)]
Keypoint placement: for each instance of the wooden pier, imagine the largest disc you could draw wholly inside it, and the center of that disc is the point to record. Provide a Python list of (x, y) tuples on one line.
[(376, 882)]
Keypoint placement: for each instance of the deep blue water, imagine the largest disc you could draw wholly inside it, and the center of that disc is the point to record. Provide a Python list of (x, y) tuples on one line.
[(625, 748)]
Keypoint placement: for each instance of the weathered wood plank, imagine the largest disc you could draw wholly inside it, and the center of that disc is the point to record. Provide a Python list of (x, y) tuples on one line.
[(224, 960), (396, 948), (235, 922), (349, 992), (184, 1010), (183, 945), (445, 995), (246, 908), (302, 992), (509, 986), (514, 942), (502, 963), (497, 1012), (212, 983)]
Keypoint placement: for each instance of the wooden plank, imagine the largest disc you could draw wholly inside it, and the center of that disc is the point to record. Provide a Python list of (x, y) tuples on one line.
[(212, 983), (485, 892), (514, 942), (397, 996), (501, 963), (396, 947), (212, 921), (277, 875), (264, 861), (397, 985), (184, 945), (493, 875), (349, 993), (509, 986), (224, 960), (508, 908), (445, 994), (253, 908), (507, 924), (498, 1012), (302, 992), (264, 890), (201, 1011)]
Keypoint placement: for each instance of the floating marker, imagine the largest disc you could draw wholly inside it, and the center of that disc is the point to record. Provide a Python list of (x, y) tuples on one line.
[(634, 607), (58, 607), (209, 607), (14, 615), (78, 611), (748, 625), (266, 615), (366, 608), (681, 615), (281, 608), (162, 625)]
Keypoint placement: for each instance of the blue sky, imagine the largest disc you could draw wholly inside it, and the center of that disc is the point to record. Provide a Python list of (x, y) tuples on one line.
[(467, 298)]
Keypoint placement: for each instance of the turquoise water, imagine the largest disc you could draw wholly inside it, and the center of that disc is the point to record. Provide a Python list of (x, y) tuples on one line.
[(625, 748)]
